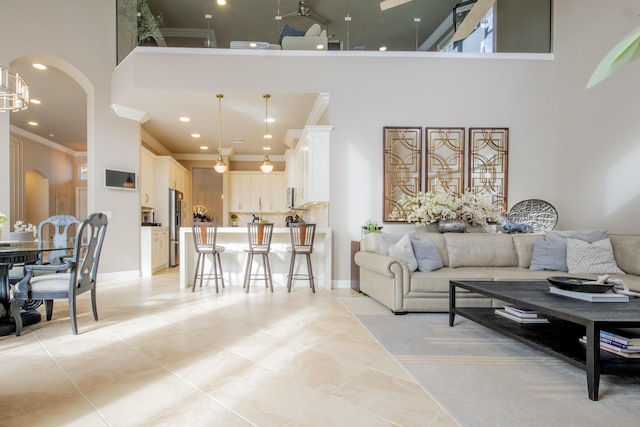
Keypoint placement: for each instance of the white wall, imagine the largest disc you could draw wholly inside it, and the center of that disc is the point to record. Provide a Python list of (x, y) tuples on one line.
[(78, 37), (598, 134)]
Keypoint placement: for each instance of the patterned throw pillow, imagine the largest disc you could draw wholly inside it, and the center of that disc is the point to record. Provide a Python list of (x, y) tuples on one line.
[(593, 258), (404, 252)]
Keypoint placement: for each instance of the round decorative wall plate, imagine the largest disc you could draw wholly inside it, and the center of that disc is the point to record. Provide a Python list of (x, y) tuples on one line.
[(537, 213)]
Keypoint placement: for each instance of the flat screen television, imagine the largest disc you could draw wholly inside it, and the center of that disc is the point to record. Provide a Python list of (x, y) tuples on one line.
[(120, 179)]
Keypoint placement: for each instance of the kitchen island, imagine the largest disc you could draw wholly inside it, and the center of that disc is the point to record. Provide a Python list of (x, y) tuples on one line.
[(235, 241)]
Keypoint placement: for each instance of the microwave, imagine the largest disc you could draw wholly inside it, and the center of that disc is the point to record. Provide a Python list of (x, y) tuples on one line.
[(290, 198)]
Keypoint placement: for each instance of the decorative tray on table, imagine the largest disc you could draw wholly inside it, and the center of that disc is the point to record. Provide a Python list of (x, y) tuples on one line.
[(577, 284)]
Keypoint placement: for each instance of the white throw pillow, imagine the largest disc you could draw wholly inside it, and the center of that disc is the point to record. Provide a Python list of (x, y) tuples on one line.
[(404, 252), (592, 258)]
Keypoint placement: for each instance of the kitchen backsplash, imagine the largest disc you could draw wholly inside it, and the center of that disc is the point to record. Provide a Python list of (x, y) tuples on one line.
[(317, 215)]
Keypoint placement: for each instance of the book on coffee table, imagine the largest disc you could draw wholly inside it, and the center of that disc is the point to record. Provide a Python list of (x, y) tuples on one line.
[(515, 318), (591, 297), (521, 312), (615, 350)]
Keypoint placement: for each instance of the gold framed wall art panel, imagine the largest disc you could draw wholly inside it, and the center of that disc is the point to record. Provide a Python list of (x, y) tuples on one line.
[(445, 158), (402, 168), (488, 163)]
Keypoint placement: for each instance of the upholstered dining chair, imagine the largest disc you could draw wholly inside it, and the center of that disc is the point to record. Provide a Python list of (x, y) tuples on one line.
[(58, 229), (205, 235), (302, 236), (259, 244), (76, 274)]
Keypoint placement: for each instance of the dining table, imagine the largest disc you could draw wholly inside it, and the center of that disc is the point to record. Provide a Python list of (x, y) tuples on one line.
[(13, 253)]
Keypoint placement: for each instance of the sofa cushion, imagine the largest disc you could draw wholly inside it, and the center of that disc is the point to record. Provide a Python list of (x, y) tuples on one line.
[(313, 31), (426, 254), (404, 252), (549, 255), (626, 250), (524, 247), (586, 235), (480, 250), (288, 30), (595, 258), (380, 242)]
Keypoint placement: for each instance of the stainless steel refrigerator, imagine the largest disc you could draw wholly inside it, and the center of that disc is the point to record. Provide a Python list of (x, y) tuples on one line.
[(176, 199)]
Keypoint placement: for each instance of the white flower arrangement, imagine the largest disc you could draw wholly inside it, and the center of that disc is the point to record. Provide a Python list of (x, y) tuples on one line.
[(432, 207), (21, 227)]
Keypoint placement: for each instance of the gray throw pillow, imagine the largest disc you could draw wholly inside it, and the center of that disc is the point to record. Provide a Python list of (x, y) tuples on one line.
[(404, 252), (549, 255), (426, 254)]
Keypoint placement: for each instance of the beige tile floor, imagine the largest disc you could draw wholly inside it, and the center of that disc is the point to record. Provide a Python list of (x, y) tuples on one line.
[(164, 356)]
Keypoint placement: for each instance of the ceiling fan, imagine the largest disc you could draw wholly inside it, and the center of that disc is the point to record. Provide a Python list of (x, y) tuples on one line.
[(470, 22), (305, 11)]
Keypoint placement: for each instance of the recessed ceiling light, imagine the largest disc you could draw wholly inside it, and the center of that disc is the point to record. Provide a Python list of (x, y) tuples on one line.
[(204, 147), (185, 119), (238, 140), (195, 135), (253, 44), (40, 66), (382, 48), (320, 46), (268, 136), (266, 148), (33, 123), (222, 2), (34, 101), (52, 135), (270, 120)]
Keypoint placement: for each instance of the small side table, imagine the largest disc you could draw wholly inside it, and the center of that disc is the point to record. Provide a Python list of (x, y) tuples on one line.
[(355, 270)]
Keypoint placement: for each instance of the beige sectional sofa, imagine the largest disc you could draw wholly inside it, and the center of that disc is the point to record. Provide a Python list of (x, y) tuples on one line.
[(468, 256)]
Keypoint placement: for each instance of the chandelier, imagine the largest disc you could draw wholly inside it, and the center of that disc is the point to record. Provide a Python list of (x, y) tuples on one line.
[(266, 165), (14, 91), (220, 166)]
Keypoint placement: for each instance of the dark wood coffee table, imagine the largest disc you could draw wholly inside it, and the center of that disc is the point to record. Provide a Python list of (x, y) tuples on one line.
[(569, 320)]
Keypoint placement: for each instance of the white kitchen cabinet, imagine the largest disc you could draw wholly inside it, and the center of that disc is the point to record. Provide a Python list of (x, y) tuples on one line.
[(154, 249), (240, 200), (169, 174), (252, 192), (309, 175), (147, 190), (278, 193)]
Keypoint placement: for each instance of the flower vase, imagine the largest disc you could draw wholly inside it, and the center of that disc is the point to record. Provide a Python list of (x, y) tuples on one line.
[(452, 226)]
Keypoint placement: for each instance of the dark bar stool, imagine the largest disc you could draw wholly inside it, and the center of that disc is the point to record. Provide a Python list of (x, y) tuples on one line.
[(302, 236), (205, 235), (259, 244)]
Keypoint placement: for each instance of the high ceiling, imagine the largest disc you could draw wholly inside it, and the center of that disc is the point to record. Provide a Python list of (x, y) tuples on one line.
[(61, 116)]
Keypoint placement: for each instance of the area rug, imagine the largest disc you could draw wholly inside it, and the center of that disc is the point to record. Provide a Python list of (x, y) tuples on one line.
[(483, 378)]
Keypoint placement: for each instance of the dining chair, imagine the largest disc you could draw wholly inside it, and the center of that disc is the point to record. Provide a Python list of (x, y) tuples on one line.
[(57, 229), (259, 244), (76, 274), (205, 235), (302, 236)]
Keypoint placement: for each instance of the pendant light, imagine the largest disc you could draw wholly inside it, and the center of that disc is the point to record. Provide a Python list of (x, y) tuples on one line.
[(266, 165), (220, 166)]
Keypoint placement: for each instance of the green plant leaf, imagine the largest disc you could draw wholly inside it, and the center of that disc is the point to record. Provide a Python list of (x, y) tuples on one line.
[(627, 50)]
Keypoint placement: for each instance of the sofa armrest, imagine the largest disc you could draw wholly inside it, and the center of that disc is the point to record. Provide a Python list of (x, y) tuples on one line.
[(376, 263)]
